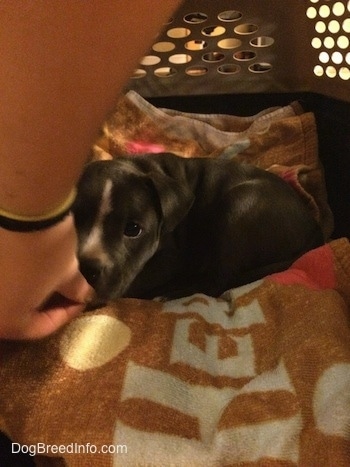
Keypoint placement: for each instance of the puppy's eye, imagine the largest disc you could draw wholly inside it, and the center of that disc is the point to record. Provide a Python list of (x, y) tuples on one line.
[(132, 229)]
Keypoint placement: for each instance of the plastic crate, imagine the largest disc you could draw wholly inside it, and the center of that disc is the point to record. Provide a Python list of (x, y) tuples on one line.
[(241, 56)]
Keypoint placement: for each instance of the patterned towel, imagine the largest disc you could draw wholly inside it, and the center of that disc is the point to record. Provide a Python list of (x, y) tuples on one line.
[(258, 377)]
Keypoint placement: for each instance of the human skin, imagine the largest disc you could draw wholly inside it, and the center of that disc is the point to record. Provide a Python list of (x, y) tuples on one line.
[(62, 67)]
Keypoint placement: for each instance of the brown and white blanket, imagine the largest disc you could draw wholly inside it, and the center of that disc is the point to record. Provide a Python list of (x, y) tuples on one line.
[(257, 377)]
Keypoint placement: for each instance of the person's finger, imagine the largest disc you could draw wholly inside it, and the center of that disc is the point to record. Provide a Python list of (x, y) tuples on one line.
[(49, 320)]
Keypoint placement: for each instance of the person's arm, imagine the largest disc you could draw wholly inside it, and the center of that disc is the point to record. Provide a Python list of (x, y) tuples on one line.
[(62, 66)]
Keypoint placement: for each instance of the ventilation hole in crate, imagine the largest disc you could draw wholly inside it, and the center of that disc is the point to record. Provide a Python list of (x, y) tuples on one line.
[(262, 41), (196, 45), (338, 9), (337, 58), (244, 55), (324, 11), (246, 29), (228, 69), (213, 57), (324, 57), (331, 72), (344, 73), (329, 42), (316, 43), (263, 67), (196, 70), (229, 43), (150, 60), (178, 33), (343, 42), (318, 70), (163, 46), (230, 15), (138, 73), (320, 27), (195, 18), (180, 59), (165, 72), (311, 12), (334, 26), (346, 25), (213, 31)]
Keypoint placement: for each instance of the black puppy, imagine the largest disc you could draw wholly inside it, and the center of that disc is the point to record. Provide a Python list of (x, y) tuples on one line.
[(161, 225)]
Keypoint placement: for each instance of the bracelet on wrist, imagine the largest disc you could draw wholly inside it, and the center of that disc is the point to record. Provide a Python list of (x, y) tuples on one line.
[(19, 223)]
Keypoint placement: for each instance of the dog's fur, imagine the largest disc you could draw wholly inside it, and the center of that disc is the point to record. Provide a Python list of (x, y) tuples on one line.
[(161, 225)]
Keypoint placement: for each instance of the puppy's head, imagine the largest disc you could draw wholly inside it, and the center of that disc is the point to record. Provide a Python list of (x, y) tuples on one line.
[(120, 213)]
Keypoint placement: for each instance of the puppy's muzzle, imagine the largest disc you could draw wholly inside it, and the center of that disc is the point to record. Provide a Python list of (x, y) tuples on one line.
[(91, 269)]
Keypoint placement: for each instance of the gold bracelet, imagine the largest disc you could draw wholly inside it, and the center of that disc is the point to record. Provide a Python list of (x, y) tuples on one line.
[(20, 223)]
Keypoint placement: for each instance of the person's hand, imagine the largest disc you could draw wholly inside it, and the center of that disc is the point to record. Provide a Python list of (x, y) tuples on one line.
[(41, 287)]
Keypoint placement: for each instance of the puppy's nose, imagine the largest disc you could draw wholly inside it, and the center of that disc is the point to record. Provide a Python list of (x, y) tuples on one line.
[(91, 269)]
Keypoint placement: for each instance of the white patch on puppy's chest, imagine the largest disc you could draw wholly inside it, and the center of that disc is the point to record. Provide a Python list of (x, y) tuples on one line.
[(93, 245)]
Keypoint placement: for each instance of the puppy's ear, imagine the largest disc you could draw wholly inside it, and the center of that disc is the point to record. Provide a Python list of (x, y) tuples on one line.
[(175, 199)]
